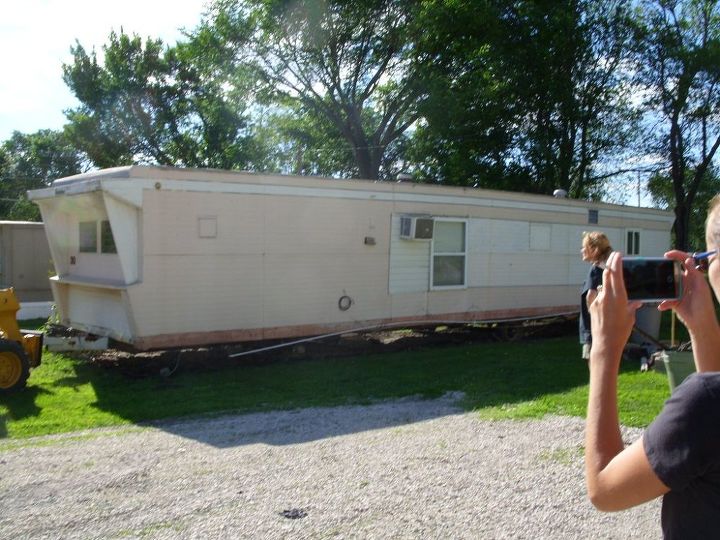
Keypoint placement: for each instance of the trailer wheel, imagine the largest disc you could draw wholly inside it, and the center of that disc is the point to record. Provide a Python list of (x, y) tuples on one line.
[(14, 366)]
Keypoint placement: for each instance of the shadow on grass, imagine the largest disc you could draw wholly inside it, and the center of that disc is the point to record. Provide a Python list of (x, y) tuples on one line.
[(20, 405), (488, 374), (509, 379)]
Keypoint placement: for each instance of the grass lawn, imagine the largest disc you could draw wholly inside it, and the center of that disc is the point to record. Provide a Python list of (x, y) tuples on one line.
[(500, 380)]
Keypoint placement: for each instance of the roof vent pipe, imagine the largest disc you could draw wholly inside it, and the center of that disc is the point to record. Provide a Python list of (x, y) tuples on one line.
[(404, 177), (560, 194)]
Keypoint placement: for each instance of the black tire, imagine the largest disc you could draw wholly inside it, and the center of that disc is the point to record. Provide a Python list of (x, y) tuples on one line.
[(14, 367)]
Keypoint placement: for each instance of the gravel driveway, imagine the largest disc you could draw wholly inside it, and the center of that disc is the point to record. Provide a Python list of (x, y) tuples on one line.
[(401, 469)]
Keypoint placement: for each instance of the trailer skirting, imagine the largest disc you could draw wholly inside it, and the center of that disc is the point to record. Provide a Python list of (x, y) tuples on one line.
[(192, 339)]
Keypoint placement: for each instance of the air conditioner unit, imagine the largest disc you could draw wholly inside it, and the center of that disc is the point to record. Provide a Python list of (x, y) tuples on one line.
[(416, 228)]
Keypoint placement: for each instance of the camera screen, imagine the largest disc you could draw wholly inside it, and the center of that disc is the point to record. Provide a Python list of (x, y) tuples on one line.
[(650, 279)]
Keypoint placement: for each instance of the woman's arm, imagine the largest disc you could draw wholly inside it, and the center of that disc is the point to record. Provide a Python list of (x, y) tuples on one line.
[(616, 477)]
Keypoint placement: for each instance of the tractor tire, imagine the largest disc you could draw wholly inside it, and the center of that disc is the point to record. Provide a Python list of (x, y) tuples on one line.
[(14, 367)]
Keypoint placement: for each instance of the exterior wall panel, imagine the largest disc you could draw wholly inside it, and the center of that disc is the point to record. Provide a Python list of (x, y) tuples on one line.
[(409, 262), (99, 309), (171, 227), (198, 293)]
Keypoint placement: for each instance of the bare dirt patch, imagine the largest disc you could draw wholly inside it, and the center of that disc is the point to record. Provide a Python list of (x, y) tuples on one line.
[(142, 364)]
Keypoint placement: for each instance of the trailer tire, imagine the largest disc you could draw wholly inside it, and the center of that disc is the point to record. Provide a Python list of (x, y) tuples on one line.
[(14, 367)]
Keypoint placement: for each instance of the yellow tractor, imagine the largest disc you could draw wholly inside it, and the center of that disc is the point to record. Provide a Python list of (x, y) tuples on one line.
[(20, 350)]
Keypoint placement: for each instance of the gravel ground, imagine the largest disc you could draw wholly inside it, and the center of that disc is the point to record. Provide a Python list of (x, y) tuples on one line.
[(401, 469)]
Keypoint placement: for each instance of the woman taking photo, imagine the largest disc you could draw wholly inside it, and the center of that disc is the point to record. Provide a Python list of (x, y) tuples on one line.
[(678, 455)]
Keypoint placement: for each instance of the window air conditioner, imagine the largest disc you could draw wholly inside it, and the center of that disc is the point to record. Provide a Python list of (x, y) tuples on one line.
[(416, 228)]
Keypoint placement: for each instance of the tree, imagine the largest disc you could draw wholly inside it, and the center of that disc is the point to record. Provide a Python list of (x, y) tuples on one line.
[(33, 161), (533, 97), (295, 142), (663, 194), (464, 135), (582, 113), (153, 104), (348, 66), (679, 64)]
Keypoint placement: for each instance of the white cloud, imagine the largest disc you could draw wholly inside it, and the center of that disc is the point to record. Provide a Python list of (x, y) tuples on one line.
[(36, 36)]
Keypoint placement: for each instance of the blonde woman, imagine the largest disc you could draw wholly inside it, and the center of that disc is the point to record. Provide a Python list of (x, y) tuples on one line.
[(595, 249)]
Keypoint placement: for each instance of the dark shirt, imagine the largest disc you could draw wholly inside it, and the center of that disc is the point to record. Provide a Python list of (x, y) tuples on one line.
[(683, 447), (592, 281)]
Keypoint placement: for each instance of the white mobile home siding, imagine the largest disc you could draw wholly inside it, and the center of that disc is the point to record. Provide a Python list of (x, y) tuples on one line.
[(212, 256)]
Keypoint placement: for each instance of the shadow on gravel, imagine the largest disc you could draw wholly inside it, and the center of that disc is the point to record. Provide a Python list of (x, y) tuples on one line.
[(298, 426)]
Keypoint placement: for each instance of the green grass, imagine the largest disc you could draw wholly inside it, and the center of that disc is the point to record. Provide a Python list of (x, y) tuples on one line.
[(500, 380)]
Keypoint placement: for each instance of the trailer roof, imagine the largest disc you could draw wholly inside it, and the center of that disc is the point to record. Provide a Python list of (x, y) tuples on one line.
[(165, 173)]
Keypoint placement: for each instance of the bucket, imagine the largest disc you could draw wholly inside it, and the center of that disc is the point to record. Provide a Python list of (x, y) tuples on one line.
[(677, 365)]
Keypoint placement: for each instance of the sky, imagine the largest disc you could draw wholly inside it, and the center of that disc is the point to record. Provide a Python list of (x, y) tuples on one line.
[(35, 40)]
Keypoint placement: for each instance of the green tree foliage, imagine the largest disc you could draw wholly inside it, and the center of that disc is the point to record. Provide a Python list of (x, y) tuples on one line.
[(679, 65), (527, 95), (580, 116), (464, 135), (661, 188), (33, 161), (347, 67), (148, 103), (295, 142)]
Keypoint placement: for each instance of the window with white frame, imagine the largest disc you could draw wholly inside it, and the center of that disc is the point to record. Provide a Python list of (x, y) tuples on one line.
[(632, 243), (96, 237), (449, 248)]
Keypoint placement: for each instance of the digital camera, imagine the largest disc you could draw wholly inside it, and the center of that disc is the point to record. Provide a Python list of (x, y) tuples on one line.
[(652, 279)]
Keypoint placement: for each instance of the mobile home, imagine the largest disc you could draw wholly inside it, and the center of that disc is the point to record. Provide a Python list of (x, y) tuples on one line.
[(162, 257)]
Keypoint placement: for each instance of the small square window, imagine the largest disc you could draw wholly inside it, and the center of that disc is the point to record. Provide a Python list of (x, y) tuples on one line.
[(593, 217)]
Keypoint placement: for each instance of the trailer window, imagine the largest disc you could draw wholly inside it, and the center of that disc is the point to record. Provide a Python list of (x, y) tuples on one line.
[(107, 241), (448, 258), (632, 246), (88, 236)]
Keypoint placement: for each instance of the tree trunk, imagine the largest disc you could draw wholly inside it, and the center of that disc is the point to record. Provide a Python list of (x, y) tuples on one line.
[(681, 227), (363, 158)]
